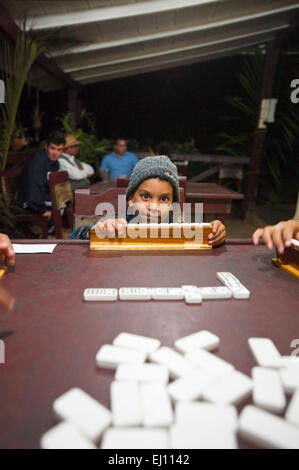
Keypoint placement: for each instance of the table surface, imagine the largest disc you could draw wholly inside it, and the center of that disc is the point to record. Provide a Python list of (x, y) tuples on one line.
[(211, 191), (52, 336), (193, 190)]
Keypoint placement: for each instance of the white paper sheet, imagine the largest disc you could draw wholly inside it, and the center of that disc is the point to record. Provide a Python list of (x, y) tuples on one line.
[(34, 248)]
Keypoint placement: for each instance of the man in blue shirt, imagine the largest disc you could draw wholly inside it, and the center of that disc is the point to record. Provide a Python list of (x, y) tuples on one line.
[(120, 162)]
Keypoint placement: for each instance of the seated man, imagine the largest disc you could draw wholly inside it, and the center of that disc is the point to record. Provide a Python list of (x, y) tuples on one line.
[(120, 162), (33, 187), (78, 171)]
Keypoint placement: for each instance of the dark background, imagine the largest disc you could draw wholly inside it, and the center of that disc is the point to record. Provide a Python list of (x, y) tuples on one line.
[(175, 104)]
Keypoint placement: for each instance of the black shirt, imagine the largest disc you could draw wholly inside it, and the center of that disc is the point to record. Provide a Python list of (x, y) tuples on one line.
[(32, 184)]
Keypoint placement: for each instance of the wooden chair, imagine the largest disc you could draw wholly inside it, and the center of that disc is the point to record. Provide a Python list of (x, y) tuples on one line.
[(122, 182), (182, 167), (86, 204), (234, 172), (61, 194), (18, 158), (8, 189)]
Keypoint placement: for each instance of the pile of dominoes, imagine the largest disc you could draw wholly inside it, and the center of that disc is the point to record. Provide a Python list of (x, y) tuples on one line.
[(182, 398)]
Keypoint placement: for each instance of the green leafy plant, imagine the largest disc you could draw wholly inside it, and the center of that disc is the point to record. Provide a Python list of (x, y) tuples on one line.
[(15, 64), (91, 148), (187, 147), (245, 110), (8, 221)]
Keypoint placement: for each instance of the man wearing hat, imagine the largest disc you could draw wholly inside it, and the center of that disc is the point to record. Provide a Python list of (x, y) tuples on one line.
[(78, 171)]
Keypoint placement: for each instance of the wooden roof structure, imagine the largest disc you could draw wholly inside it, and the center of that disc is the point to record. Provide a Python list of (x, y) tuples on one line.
[(96, 40)]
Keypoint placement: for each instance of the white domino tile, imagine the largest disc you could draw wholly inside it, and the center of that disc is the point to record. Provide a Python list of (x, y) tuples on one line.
[(215, 293), (232, 282), (292, 413), (268, 392), (265, 352), (229, 390), (295, 243), (100, 294), (203, 413), (135, 293), (189, 387), (65, 436), (126, 404), (142, 373), (193, 297), (287, 361), (84, 412), (111, 356), (267, 430), (144, 344), (290, 378), (191, 436), (175, 362), (202, 339), (135, 438), (189, 288), (167, 293), (157, 409), (209, 362)]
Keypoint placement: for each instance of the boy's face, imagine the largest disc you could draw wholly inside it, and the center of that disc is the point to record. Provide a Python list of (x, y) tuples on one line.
[(153, 199)]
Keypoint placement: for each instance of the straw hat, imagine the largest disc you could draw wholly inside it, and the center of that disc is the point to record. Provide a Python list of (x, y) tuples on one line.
[(71, 141)]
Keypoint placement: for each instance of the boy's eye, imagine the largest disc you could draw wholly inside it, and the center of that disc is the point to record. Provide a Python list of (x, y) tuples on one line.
[(164, 198), (145, 196)]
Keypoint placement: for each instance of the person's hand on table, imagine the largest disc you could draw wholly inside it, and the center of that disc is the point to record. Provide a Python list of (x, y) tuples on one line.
[(111, 227), (218, 233), (278, 236), (6, 252), (6, 249)]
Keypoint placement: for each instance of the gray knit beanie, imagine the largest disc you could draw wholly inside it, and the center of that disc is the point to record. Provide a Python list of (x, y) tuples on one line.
[(154, 167)]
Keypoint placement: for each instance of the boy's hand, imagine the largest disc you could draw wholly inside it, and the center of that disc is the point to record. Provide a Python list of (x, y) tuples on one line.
[(7, 249), (111, 227), (279, 236), (218, 233)]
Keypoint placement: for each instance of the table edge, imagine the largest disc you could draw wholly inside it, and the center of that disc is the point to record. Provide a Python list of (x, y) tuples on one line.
[(230, 241)]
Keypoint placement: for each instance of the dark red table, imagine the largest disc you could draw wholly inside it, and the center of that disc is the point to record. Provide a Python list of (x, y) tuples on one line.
[(52, 337), (216, 199)]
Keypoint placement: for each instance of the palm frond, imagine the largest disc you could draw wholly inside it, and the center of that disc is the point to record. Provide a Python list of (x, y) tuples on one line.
[(15, 64)]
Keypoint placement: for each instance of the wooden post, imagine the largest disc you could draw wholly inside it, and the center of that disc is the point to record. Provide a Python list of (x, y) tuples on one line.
[(258, 140), (74, 105)]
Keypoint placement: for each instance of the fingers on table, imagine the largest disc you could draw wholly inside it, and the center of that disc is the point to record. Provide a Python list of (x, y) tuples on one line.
[(7, 249), (257, 235), (219, 235)]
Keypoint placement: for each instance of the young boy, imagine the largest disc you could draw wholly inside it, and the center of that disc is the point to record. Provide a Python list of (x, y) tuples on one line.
[(152, 190)]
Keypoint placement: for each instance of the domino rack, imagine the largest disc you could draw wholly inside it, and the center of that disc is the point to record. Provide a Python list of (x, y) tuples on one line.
[(289, 260), (176, 239)]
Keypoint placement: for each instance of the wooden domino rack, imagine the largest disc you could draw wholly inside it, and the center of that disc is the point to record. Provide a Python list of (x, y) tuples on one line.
[(183, 236), (289, 260)]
